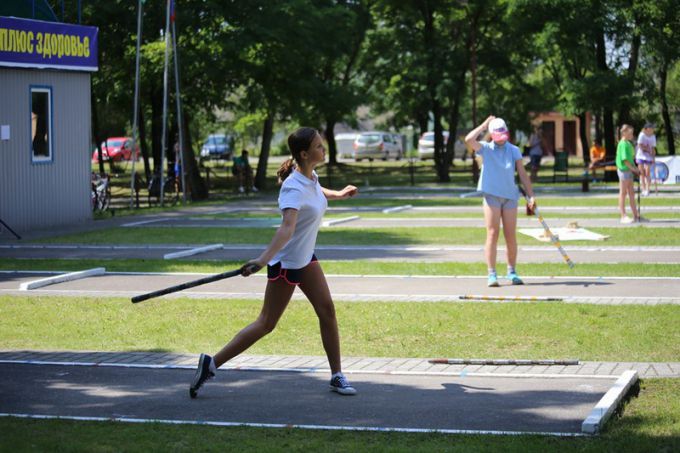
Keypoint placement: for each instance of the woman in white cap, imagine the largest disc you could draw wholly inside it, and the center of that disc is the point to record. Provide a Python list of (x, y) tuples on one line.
[(497, 183)]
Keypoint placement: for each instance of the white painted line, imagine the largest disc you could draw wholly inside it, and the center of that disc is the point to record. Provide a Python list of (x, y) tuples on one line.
[(142, 222), (397, 209), (289, 426), (194, 251), (327, 223), (609, 402), (237, 367), (61, 278)]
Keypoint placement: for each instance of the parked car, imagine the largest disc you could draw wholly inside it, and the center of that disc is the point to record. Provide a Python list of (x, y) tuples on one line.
[(344, 144), (377, 145), (218, 146), (116, 149), (426, 146)]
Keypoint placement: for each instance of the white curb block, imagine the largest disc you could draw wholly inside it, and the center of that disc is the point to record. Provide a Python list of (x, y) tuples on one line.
[(606, 406), (397, 209), (61, 278), (194, 251), (328, 223)]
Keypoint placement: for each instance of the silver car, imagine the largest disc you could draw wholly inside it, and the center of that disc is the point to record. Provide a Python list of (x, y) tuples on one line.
[(426, 146), (377, 145)]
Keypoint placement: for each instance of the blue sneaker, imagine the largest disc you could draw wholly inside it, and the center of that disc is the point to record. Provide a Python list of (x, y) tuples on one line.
[(493, 281), (340, 384), (206, 370), (512, 276)]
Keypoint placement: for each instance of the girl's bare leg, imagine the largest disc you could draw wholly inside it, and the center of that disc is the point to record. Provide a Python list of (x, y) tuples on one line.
[(622, 198), (492, 219), (631, 199), (276, 298), (509, 217), (315, 287)]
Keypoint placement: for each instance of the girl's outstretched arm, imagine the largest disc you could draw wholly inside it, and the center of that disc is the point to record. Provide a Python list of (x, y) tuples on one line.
[(347, 192)]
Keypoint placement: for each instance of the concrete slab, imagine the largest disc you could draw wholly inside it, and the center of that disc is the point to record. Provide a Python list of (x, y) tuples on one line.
[(483, 404)]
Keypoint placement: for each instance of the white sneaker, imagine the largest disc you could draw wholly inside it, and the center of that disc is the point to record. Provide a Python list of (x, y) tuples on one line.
[(626, 220), (645, 193), (255, 189), (340, 384)]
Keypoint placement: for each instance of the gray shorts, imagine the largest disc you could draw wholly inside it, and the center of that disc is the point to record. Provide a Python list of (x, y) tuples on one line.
[(499, 202), (624, 175)]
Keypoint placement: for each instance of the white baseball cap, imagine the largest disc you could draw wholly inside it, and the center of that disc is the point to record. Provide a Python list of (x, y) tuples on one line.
[(499, 130)]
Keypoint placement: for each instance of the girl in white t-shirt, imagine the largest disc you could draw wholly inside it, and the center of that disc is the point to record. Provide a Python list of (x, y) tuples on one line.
[(291, 261), (645, 155)]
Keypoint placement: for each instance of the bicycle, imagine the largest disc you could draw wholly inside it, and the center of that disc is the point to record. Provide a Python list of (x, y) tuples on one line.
[(101, 192)]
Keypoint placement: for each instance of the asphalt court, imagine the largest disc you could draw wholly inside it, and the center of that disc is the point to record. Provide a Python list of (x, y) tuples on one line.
[(411, 401), (367, 287)]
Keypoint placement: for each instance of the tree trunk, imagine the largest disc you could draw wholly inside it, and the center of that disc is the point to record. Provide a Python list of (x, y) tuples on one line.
[(267, 133), (624, 113), (668, 125), (607, 113), (156, 129), (330, 138), (598, 128), (583, 133), (143, 144), (454, 115), (195, 183), (439, 151), (95, 131)]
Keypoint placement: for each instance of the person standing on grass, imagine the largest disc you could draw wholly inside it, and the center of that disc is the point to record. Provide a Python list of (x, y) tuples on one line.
[(645, 156), (497, 183), (535, 152), (291, 261), (625, 168)]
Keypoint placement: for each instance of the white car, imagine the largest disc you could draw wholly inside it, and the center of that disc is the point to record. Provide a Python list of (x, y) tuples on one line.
[(426, 146), (377, 145), (344, 144)]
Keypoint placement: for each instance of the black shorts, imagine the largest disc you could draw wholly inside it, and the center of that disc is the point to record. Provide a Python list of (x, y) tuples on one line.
[(291, 276)]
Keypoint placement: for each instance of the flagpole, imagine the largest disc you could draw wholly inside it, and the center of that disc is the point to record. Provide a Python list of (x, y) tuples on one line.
[(179, 109), (135, 118), (165, 99)]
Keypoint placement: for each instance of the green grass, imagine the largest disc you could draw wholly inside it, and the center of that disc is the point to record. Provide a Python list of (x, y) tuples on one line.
[(375, 329), (362, 267), (640, 236), (650, 422)]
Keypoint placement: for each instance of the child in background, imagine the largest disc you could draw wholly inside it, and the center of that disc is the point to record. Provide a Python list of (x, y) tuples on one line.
[(645, 156), (497, 183), (625, 168)]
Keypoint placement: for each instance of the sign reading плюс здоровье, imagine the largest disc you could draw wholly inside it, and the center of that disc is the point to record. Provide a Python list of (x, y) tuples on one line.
[(26, 43)]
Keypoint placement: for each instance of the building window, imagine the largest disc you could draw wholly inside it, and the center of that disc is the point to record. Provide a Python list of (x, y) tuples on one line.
[(41, 124)]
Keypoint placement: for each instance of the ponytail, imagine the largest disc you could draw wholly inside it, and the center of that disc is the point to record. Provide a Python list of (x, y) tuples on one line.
[(285, 169), (298, 141)]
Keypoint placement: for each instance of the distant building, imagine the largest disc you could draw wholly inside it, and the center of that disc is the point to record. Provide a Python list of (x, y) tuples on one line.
[(562, 132), (45, 125)]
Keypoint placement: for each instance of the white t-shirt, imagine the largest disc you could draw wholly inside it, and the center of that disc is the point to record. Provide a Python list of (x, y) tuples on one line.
[(648, 142), (305, 195)]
